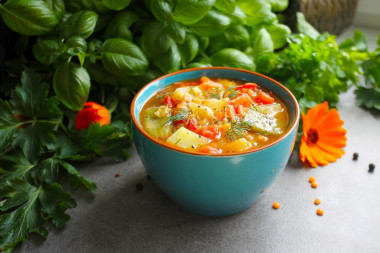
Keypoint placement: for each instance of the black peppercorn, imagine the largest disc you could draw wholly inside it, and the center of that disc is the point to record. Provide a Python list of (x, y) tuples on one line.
[(371, 167), (355, 156), (139, 187)]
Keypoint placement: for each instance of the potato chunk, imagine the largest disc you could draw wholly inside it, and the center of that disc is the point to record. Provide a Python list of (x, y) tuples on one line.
[(182, 94), (217, 105), (237, 145), (187, 139), (201, 111), (260, 122), (270, 110)]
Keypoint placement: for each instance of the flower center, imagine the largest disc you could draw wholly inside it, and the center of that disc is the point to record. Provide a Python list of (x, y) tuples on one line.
[(312, 136)]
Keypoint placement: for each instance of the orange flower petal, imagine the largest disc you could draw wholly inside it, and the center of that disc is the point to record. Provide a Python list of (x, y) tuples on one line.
[(323, 136)]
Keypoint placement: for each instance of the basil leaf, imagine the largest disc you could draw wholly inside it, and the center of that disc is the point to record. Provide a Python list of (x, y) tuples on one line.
[(304, 27), (233, 58), (263, 43), (73, 5), (71, 84), (58, 6), (155, 40), (116, 5), (257, 11), (238, 15), (81, 23), (162, 10), (189, 49), (46, 51), (198, 65), (227, 6), (189, 12), (279, 5), (212, 24), (95, 5), (76, 44), (279, 34), (119, 26), (235, 36), (170, 61), (177, 32), (29, 17), (122, 57)]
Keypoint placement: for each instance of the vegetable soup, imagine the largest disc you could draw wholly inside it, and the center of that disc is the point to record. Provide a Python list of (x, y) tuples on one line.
[(215, 116)]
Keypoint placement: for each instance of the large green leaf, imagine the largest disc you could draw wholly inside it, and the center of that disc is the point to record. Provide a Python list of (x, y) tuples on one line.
[(235, 36), (263, 43), (29, 17), (81, 23), (16, 224), (119, 26), (191, 11), (212, 24), (58, 6), (188, 49), (279, 5), (55, 202), (8, 125), (71, 84), (367, 97), (116, 5), (233, 58), (122, 57), (47, 51), (95, 5), (76, 178), (15, 165), (162, 10), (227, 6), (257, 11), (279, 34), (155, 40)]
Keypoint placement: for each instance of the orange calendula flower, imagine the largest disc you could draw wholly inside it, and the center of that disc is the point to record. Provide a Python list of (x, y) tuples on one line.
[(92, 112), (323, 136)]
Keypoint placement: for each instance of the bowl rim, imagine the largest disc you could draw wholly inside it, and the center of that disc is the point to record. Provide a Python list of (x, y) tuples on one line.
[(164, 145)]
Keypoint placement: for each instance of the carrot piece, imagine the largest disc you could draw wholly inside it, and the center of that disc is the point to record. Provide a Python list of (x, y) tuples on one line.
[(169, 101), (320, 212), (252, 86), (317, 201), (276, 205), (219, 115), (243, 99), (314, 184), (231, 114), (311, 179), (264, 98), (210, 149)]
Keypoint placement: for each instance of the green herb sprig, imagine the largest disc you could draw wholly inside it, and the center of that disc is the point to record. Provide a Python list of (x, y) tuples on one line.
[(180, 115), (237, 130), (231, 92)]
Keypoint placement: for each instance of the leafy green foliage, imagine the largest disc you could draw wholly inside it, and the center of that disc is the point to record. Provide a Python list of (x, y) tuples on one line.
[(313, 69), (105, 51), (71, 84), (29, 17)]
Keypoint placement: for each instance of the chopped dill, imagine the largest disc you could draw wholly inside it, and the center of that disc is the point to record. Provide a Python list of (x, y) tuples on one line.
[(215, 93), (237, 130), (231, 92), (180, 115)]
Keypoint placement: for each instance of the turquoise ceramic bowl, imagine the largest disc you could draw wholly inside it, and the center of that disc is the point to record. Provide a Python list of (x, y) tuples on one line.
[(214, 185)]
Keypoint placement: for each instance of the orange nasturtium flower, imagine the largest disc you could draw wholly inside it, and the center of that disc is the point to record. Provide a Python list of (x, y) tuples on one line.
[(323, 136), (92, 112)]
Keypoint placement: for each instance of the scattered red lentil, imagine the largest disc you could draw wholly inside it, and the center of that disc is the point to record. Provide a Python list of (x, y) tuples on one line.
[(314, 184), (317, 201), (311, 179), (320, 212), (117, 175), (276, 205)]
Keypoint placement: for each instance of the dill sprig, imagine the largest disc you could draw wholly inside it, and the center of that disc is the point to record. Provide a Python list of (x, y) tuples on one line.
[(215, 93), (237, 130), (180, 115), (231, 92)]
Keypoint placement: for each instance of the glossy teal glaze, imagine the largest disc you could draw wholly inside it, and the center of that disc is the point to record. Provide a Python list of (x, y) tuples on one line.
[(214, 185)]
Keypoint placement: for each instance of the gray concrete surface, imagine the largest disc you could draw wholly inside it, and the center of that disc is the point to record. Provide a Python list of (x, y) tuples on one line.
[(120, 219)]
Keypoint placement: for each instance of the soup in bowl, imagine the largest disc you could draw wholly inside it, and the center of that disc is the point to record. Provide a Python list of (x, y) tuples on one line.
[(213, 139)]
